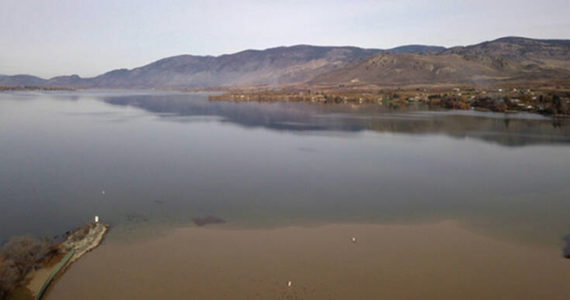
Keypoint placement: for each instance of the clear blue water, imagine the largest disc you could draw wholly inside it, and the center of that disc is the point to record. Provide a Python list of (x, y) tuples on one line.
[(167, 157)]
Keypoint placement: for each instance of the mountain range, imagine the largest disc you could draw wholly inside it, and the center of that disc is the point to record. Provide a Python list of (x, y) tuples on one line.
[(503, 60)]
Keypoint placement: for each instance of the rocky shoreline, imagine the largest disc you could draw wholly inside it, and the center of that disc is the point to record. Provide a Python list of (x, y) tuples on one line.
[(84, 239), (50, 263)]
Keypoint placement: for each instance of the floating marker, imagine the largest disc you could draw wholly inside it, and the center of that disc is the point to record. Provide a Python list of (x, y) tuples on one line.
[(103, 192), (353, 239), (289, 283), (96, 219)]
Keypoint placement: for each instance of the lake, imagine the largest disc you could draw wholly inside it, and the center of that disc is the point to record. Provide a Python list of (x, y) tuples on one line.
[(143, 160)]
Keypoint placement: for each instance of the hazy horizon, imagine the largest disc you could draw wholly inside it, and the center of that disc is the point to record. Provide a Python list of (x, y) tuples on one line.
[(49, 39)]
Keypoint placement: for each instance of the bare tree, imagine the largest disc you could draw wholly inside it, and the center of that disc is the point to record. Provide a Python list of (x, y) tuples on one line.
[(25, 252), (9, 277), (18, 257)]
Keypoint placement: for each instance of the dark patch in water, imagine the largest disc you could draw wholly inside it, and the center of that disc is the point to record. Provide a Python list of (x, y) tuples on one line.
[(136, 218), (208, 220), (566, 250)]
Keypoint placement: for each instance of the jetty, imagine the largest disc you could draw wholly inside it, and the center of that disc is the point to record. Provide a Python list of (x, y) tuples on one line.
[(76, 244)]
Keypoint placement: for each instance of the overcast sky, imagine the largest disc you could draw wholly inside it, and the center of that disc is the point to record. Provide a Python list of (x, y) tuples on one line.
[(90, 37)]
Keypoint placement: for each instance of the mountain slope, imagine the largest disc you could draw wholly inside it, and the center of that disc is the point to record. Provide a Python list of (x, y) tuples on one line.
[(252, 67), (518, 48), (21, 80), (404, 69), (506, 59)]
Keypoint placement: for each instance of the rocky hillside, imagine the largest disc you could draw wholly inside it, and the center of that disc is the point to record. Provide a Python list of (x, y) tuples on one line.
[(505, 59), (274, 66), (522, 50)]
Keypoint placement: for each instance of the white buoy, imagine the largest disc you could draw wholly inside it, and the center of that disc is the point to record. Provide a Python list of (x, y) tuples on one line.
[(96, 219), (103, 192), (353, 239), (289, 283)]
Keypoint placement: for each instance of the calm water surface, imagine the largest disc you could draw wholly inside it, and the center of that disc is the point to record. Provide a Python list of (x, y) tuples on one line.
[(163, 158)]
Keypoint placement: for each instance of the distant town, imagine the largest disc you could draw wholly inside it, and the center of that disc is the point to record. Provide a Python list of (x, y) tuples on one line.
[(547, 100)]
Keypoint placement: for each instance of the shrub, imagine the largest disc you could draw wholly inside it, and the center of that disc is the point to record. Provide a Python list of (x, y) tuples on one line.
[(9, 277), (18, 257), (25, 252)]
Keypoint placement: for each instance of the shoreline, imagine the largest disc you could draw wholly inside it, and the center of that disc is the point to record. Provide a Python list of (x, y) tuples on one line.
[(61, 256), (440, 261), (554, 103)]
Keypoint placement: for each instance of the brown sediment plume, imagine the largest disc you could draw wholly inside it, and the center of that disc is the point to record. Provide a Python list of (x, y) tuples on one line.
[(429, 261)]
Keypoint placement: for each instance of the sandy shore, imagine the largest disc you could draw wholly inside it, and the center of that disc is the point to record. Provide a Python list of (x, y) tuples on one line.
[(438, 261)]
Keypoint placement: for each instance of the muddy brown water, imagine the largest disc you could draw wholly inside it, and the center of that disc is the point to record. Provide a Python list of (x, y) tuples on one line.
[(436, 261)]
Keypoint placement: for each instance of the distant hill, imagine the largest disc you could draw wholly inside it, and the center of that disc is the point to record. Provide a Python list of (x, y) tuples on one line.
[(519, 49), (505, 59), (273, 66), (252, 67), (21, 80)]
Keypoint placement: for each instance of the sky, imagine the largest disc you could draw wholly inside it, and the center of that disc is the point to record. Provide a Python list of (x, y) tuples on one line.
[(90, 37)]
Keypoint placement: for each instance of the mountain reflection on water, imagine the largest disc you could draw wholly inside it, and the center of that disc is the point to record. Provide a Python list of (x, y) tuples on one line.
[(504, 129)]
